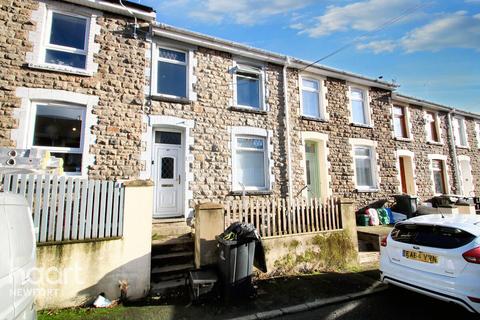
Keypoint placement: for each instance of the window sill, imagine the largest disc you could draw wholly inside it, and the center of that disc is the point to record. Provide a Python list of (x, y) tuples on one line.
[(362, 190), (313, 119), (463, 147), (435, 143), (69, 70), (361, 125), (159, 97), (251, 192), (248, 110), (403, 139)]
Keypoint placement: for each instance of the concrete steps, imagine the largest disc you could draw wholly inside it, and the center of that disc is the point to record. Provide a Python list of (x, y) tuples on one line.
[(172, 256)]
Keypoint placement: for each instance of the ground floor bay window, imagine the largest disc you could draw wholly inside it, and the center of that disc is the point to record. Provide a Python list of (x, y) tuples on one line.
[(59, 128)]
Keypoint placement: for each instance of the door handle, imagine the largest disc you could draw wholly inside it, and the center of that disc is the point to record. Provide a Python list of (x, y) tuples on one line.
[(179, 178)]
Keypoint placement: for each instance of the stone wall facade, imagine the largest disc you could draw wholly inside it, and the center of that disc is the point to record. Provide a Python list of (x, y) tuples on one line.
[(118, 83), (119, 140), (473, 150), (419, 145), (214, 117)]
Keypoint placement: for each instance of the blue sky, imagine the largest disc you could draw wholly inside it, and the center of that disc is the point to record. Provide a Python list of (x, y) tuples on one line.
[(431, 47)]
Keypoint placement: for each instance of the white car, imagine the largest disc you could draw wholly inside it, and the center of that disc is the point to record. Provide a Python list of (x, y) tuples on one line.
[(436, 255), (17, 258)]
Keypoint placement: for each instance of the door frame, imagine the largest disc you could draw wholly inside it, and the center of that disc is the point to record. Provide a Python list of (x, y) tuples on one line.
[(460, 159), (180, 171), (315, 178), (321, 141), (159, 122), (408, 167)]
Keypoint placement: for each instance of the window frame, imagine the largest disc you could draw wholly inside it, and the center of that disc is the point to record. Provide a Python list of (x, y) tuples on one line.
[(373, 167), (428, 127), (441, 170), (46, 45), (236, 148), (366, 106), (157, 58), (320, 94), (31, 131), (249, 68), (405, 119), (458, 124)]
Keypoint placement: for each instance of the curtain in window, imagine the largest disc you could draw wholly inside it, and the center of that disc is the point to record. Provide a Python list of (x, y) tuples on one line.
[(363, 167), (251, 168)]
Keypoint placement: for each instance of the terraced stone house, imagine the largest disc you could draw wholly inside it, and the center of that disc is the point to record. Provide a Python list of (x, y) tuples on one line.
[(118, 95)]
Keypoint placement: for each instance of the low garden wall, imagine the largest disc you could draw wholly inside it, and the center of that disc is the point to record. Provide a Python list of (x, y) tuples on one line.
[(73, 274), (306, 253)]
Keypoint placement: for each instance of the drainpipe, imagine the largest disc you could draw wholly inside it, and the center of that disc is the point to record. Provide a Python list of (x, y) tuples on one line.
[(453, 147), (287, 130)]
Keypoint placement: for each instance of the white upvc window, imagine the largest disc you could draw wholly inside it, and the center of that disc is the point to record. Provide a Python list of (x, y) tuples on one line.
[(401, 123), (460, 132), (439, 174), (360, 106), (251, 163), (432, 127), (311, 103), (365, 167), (171, 76), (60, 129), (249, 91), (66, 40)]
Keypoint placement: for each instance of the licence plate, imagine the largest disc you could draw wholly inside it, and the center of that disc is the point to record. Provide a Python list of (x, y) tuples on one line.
[(420, 256)]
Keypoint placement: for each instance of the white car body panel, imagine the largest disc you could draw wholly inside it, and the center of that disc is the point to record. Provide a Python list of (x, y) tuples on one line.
[(17, 253), (451, 279)]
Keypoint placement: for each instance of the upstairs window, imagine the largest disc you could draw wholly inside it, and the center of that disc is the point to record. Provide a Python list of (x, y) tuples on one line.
[(400, 122), (60, 130), (364, 167), (249, 87), (67, 40), (359, 106), (172, 68), (432, 127), (460, 132), (311, 98)]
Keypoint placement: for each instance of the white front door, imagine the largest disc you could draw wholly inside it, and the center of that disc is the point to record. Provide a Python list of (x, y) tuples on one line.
[(168, 178), (467, 179)]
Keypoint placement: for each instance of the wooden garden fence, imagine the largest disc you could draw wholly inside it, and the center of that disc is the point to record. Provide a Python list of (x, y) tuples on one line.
[(70, 208), (279, 216)]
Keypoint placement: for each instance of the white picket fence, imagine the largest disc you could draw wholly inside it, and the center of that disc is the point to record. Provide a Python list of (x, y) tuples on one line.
[(280, 216), (70, 208)]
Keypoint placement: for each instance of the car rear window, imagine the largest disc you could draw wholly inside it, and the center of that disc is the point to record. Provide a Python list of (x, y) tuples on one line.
[(431, 236)]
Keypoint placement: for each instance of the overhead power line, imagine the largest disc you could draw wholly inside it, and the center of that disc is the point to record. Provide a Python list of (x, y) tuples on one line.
[(381, 27)]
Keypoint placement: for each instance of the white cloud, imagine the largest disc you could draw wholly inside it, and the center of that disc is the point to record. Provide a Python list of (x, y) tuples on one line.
[(248, 12), (379, 46), (361, 16), (458, 30)]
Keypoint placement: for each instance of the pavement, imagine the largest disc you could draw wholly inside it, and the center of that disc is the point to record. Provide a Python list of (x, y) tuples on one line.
[(392, 304), (275, 297)]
